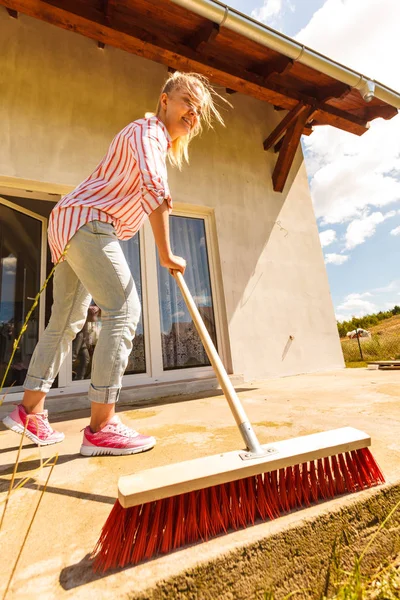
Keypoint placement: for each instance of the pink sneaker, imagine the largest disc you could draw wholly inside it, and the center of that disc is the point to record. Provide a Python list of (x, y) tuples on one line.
[(38, 428), (116, 439)]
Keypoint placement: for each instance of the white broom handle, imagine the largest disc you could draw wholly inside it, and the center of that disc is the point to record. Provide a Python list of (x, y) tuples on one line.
[(222, 376)]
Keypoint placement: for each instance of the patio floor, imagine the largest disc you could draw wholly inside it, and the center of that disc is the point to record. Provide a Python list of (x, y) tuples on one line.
[(80, 494)]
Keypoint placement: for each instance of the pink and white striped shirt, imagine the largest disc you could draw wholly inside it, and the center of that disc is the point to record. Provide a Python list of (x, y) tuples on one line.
[(128, 184)]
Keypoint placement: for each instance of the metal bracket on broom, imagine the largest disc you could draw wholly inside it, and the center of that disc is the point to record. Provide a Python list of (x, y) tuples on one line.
[(254, 448)]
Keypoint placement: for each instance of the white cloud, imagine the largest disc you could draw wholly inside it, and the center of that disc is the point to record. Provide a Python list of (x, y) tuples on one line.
[(355, 305), (273, 12), (268, 12), (361, 229), (177, 315), (202, 300), (336, 259), (351, 174), (395, 231), (9, 264), (327, 237), (360, 304), (393, 286)]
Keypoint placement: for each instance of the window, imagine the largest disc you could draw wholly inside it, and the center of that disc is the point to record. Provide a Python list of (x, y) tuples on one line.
[(85, 342), (166, 346), (181, 344)]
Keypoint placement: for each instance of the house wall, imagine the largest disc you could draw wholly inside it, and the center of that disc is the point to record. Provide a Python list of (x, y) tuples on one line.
[(62, 101)]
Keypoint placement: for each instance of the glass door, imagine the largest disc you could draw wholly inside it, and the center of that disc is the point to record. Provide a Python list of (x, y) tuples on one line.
[(85, 342), (21, 272), (181, 345)]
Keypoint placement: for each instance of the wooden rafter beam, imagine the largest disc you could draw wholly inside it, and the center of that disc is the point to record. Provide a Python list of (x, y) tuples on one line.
[(205, 35), (288, 150), (278, 66), (385, 112), (306, 131), (286, 122), (336, 91), (146, 44), (336, 119), (13, 13)]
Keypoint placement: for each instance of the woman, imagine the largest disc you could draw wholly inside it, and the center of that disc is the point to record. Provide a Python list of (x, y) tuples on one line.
[(129, 185)]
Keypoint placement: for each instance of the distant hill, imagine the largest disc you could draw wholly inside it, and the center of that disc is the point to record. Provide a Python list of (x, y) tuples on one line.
[(388, 321), (390, 325)]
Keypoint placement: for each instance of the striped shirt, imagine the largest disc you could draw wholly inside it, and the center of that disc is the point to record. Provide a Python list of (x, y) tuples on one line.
[(128, 184)]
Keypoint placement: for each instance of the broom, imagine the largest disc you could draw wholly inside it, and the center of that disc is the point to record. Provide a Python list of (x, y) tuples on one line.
[(164, 508)]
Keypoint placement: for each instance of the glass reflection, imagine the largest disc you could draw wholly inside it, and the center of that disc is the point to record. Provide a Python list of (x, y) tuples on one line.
[(20, 244), (85, 342), (181, 344)]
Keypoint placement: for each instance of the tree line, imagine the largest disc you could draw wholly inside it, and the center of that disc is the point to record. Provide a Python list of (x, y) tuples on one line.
[(367, 321)]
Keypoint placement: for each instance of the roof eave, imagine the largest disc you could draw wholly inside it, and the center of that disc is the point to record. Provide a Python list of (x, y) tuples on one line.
[(224, 16)]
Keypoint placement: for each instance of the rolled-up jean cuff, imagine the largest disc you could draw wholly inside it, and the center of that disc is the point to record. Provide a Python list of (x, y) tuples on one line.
[(104, 395), (35, 384)]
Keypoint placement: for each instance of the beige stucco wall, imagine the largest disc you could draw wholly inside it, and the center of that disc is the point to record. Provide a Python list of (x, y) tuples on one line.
[(62, 101)]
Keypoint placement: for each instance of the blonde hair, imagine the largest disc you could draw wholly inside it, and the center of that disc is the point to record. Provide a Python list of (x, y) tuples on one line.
[(200, 90)]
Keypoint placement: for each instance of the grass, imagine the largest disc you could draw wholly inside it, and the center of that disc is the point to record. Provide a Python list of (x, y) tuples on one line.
[(383, 345), (378, 347)]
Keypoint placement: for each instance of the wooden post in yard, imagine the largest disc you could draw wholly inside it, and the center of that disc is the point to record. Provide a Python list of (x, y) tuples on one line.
[(359, 345)]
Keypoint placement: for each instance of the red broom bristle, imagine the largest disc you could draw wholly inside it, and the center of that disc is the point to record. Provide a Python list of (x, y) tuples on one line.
[(352, 469), (131, 521), (225, 506), (347, 479), (298, 489), (340, 487), (371, 465), (179, 535), (167, 526), (282, 496), (217, 521), (192, 529), (204, 514), (234, 503), (313, 482), (290, 488), (142, 532), (271, 489), (322, 487), (244, 503), (305, 484), (263, 507), (329, 477), (251, 483)]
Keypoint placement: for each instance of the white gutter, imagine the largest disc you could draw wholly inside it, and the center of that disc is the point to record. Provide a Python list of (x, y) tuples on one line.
[(225, 16)]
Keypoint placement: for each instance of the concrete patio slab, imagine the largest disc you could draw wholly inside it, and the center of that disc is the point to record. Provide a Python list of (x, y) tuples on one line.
[(80, 494)]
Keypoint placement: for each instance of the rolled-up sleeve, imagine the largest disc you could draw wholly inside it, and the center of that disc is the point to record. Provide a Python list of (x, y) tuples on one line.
[(153, 171)]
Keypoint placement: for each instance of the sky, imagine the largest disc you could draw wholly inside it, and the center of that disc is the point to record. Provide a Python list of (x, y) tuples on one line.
[(354, 181)]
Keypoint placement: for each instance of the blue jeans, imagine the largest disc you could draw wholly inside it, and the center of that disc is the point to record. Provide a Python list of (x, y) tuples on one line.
[(94, 267)]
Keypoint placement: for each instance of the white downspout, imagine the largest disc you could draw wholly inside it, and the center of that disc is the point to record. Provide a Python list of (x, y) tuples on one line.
[(227, 17)]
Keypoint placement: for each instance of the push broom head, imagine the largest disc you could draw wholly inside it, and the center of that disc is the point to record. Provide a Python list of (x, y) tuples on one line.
[(164, 508)]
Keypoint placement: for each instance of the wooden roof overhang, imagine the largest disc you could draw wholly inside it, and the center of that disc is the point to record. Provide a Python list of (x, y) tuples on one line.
[(166, 33)]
